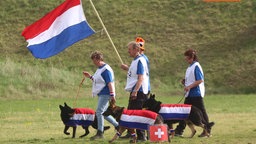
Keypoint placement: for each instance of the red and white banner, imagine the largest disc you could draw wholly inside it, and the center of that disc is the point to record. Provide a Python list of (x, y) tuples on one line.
[(158, 133)]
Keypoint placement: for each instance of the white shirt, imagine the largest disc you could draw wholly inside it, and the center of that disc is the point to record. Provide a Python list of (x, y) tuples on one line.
[(98, 81), (132, 76)]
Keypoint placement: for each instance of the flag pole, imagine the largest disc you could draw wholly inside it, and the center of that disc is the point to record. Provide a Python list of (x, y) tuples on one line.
[(106, 31)]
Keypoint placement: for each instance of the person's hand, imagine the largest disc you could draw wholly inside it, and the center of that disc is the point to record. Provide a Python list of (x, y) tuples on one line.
[(187, 88), (112, 100), (183, 81), (124, 67), (86, 74), (133, 96)]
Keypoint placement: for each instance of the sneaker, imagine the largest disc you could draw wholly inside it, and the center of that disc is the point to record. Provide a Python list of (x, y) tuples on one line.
[(99, 135)]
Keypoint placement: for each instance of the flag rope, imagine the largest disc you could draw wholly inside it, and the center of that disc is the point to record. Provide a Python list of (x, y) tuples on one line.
[(106, 31)]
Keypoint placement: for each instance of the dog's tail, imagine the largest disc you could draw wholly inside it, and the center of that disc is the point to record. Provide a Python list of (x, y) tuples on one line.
[(209, 126)]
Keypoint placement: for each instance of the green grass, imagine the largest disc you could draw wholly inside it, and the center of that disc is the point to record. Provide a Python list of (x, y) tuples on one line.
[(223, 33), (38, 121)]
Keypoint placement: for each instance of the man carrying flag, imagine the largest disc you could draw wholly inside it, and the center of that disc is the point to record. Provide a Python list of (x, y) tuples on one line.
[(57, 30)]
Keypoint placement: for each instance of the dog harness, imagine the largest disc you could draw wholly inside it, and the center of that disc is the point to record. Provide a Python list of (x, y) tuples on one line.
[(82, 116), (175, 111), (137, 119)]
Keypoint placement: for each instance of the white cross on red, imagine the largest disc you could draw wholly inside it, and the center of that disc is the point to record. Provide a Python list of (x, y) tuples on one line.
[(159, 133)]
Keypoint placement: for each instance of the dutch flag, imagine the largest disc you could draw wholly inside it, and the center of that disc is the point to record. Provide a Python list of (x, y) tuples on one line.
[(82, 116), (57, 30), (138, 119), (175, 111)]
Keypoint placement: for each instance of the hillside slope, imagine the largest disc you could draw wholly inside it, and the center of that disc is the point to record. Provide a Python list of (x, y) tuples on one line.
[(224, 34)]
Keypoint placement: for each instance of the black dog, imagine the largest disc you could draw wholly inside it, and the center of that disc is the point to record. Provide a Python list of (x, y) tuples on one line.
[(121, 115), (78, 116), (194, 117)]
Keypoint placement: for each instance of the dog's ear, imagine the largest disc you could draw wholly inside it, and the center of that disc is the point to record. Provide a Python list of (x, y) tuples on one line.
[(152, 96), (61, 107), (65, 104), (122, 108)]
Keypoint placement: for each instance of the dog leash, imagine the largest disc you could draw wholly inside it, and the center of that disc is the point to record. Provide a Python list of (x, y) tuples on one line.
[(182, 97), (80, 85)]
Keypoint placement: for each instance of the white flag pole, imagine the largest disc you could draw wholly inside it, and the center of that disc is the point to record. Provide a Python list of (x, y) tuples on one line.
[(106, 31)]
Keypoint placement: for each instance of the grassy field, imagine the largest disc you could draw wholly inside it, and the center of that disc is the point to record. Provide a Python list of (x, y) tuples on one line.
[(38, 121), (223, 34)]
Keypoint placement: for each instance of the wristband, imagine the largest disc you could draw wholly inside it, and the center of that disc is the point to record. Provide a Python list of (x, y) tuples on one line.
[(133, 134), (118, 134), (111, 93), (171, 130)]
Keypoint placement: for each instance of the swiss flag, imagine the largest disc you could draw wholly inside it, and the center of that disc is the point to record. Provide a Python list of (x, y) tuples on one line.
[(158, 133)]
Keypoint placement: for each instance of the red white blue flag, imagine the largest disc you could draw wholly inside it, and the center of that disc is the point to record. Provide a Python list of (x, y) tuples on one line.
[(57, 30), (138, 119), (82, 116), (175, 111)]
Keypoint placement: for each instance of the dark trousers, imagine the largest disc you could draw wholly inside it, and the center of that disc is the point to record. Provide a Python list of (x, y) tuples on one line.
[(137, 104), (197, 102)]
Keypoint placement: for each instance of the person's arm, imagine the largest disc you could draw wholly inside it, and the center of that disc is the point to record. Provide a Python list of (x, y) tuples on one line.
[(88, 75), (112, 91), (140, 72), (125, 67), (194, 84), (137, 86), (108, 78)]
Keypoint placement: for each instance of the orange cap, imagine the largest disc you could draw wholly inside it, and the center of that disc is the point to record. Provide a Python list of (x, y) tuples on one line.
[(141, 42)]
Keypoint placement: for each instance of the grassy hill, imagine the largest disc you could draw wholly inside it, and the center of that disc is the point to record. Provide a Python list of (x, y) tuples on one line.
[(224, 34)]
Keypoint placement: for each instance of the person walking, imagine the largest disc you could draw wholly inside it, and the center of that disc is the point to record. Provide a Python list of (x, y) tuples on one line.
[(194, 89), (141, 43), (103, 87), (137, 82)]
